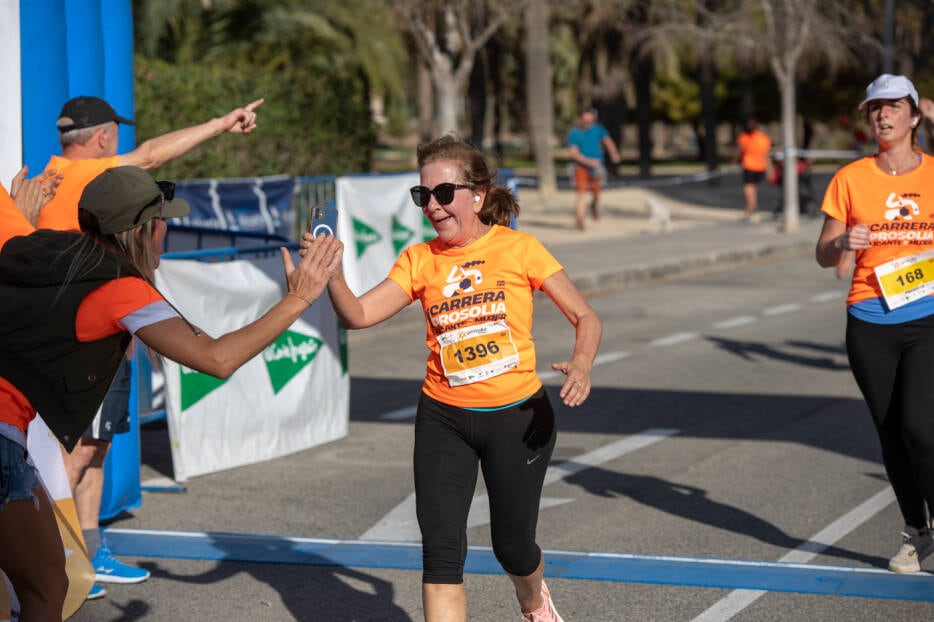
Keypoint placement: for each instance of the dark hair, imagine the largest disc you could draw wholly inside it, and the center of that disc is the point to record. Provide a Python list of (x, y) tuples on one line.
[(500, 205)]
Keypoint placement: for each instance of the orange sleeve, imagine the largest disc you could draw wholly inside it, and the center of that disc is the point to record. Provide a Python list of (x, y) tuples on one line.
[(100, 312), (15, 409), (12, 221)]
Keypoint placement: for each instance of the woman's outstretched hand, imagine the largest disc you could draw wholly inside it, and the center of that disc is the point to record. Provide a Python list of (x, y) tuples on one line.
[(319, 261), (308, 241), (576, 387)]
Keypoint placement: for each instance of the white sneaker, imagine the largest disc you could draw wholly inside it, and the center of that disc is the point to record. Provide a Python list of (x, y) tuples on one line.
[(916, 545)]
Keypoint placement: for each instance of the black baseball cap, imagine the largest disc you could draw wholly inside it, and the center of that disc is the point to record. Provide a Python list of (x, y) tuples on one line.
[(85, 111), (123, 197)]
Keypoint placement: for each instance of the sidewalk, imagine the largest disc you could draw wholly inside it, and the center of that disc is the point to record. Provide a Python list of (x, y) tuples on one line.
[(633, 242)]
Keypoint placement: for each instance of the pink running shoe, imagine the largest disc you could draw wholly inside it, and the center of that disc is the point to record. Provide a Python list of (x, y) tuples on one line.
[(545, 613)]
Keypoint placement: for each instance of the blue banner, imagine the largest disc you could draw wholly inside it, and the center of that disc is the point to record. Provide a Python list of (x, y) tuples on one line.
[(258, 205)]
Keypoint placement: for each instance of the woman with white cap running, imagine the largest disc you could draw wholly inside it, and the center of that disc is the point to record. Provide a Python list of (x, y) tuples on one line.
[(882, 208)]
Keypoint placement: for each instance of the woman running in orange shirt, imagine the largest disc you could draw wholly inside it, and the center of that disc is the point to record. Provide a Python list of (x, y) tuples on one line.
[(482, 402)]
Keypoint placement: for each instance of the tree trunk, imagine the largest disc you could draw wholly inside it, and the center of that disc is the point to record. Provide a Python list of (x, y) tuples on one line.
[(425, 105), (539, 95), (643, 79), (706, 79), (790, 161), (449, 101), (494, 57), (476, 97)]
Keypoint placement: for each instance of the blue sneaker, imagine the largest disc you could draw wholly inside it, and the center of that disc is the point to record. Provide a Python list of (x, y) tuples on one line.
[(109, 569), (97, 591)]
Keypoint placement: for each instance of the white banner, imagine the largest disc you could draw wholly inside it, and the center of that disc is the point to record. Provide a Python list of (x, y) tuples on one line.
[(376, 221), (11, 122), (294, 395)]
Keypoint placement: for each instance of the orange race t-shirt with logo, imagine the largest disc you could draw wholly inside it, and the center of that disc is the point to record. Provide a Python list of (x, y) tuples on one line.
[(477, 302), (61, 213), (899, 211), (755, 146)]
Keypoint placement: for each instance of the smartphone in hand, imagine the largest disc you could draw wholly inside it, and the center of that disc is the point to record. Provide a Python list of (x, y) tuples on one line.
[(322, 221)]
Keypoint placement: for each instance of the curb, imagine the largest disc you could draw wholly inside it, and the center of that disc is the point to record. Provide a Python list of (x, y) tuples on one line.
[(596, 282)]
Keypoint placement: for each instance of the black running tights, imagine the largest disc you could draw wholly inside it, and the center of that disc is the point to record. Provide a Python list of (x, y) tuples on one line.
[(894, 367), (513, 447)]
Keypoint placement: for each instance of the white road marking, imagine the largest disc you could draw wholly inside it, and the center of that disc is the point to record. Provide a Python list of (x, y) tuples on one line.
[(737, 600), (733, 322), (827, 296), (600, 359), (609, 357), (401, 524), (670, 340), (780, 309)]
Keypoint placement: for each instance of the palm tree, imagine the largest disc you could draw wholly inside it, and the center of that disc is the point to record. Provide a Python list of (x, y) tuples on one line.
[(348, 34)]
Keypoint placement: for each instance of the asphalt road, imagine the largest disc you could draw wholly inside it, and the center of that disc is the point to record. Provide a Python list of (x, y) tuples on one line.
[(724, 434)]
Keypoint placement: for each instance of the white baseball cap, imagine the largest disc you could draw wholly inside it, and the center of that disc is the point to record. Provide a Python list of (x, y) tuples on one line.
[(888, 86)]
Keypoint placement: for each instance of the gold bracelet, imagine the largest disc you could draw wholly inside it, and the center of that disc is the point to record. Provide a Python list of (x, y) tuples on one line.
[(299, 296)]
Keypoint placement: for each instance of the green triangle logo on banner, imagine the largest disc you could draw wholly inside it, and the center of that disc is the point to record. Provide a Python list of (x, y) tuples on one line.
[(400, 235), (365, 236), (288, 355), (428, 232), (196, 385), (342, 344)]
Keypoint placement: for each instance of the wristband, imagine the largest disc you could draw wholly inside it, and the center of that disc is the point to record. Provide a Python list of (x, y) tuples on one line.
[(299, 296)]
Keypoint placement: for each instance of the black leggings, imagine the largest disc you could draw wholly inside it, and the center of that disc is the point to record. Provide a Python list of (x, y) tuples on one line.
[(513, 447), (894, 367)]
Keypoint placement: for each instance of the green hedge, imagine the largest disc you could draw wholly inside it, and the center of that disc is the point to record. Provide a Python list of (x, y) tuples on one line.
[(312, 122)]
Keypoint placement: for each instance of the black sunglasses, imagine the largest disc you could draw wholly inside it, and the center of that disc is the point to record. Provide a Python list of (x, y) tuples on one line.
[(444, 193), (166, 193)]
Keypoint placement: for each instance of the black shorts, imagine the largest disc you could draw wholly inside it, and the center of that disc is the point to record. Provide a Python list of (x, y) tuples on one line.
[(753, 177), (113, 417)]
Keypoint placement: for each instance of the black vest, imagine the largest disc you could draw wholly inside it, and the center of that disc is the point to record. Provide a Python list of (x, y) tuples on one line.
[(65, 379)]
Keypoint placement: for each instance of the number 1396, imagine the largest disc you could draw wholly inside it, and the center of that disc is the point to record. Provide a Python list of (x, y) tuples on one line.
[(479, 350)]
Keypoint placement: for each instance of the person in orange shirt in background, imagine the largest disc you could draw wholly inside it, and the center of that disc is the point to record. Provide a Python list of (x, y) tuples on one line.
[(482, 403), (88, 130), (752, 151)]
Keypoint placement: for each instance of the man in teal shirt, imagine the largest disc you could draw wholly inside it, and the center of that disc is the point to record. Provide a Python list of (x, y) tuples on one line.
[(586, 142)]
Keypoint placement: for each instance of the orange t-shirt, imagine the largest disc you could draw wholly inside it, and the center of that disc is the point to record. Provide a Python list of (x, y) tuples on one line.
[(755, 146), (477, 302), (62, 211), (898, 209)]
